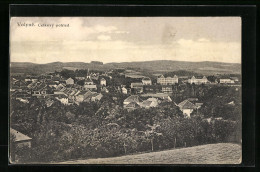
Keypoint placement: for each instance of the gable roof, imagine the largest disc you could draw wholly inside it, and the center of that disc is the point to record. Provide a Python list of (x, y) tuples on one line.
[(133, 98), (146, 79), (186, 104), (161, 76), (132, 105), (146, 103), (88, 80), (19, 136)]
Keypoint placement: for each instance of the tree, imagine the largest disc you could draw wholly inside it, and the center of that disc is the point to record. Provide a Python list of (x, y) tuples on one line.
[(151, 133)]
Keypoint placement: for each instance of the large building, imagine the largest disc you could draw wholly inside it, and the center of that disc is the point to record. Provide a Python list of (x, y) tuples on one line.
[(226, 81), (168, 80), (137, 86), (198, 80), (146, 81)]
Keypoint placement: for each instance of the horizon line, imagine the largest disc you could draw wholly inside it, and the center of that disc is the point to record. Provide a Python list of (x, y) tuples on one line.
[(124, 62)]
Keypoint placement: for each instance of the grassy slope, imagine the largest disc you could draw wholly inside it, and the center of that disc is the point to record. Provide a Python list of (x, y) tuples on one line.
[(221, 153)]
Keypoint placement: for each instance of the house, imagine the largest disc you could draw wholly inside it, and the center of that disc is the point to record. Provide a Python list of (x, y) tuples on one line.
[(138, 87), (22, 94), (82, 95), (31, 79), (103, 82), (70, 81), (20, 140), (150, 102), (226, 81), (124, 90), (168, 80), (187, 107), (152, 88), (90, 87), (60, 89), (104, 90), (52, 84), (39, 89), (132, 106), (18, 85), (234, 79), (22, 100), (161, 96), (49, 102), (167, 88), (198, 80), (132, 98), (96, 97), (88, 81), (56, 79), (146, 81), (80, 78), (63, 99)]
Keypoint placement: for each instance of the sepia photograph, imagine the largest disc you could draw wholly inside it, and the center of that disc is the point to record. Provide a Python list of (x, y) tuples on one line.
[(125, 90)]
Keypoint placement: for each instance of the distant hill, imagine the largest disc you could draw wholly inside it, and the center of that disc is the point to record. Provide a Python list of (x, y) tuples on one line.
[(159, 66), (221, 153)]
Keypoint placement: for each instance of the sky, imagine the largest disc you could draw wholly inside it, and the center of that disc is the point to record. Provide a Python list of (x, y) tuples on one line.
[(125, 39)]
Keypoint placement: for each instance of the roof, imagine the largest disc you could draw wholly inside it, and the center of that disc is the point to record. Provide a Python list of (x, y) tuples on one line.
[(166, 86), (19, 136), (40, 86), (133, 98), (152, 99), (136, 84), (146, 103), (60, 96), (146, 79), (85, 93), (90, 86), (70, 79), (96, 94), (161, 76), (186, 104), (200, 77), (159, 95), (132, 105), (102, 79), (88, 80)]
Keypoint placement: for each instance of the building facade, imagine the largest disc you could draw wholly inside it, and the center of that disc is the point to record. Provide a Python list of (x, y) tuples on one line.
[(198, 80), (168, 80)]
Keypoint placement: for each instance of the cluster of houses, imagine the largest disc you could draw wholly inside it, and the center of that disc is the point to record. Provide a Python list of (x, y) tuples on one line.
[(165, 84), (153, 100), (51, 88)]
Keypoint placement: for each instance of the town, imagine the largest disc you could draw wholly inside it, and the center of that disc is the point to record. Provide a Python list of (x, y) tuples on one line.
[(129, 91), (143, 93)]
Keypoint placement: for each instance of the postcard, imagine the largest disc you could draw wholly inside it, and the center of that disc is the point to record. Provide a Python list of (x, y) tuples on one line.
[(125, 90)]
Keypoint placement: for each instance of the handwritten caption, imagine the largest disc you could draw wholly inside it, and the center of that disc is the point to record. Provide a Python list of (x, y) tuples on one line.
[(46, 25)]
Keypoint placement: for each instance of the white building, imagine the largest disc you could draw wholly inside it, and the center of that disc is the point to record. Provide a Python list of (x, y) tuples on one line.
[(187, 107), (146, 81), (198, 80), (168, 80), (124, 90), (70, 81), (226, 81), (103, 82)]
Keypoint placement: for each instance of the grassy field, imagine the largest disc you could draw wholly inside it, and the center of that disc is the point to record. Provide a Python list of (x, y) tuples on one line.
[(221, 153)]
